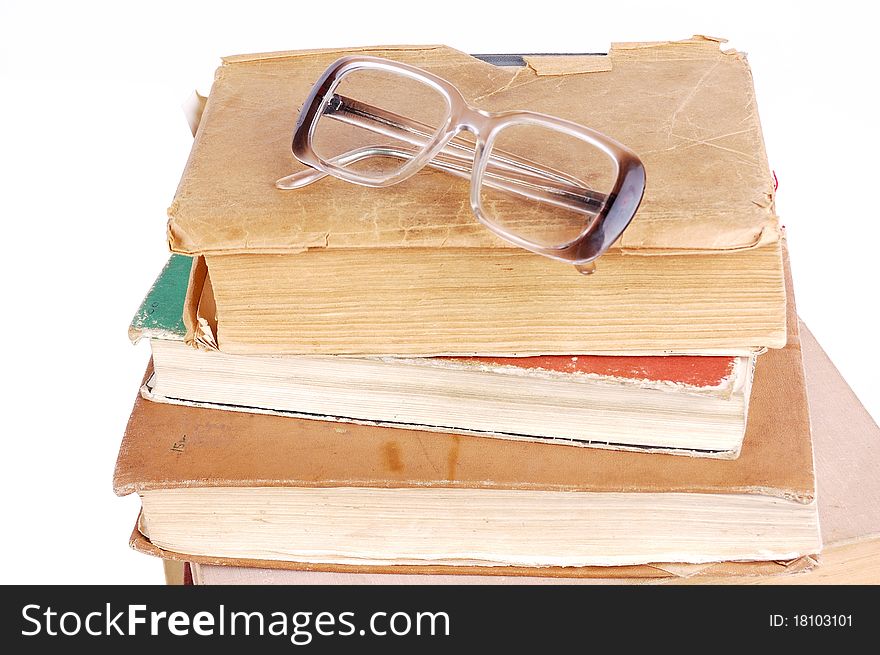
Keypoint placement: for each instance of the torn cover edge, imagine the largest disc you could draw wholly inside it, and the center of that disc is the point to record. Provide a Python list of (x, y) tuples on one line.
[(199, 308), (138, 328), (542, 64), (193, 108), (597, 63)]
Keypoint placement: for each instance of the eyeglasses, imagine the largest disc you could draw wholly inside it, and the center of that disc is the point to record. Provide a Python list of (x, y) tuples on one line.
[(545, 184)]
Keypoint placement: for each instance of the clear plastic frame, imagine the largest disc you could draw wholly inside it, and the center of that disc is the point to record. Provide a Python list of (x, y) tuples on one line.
[(545, 184)]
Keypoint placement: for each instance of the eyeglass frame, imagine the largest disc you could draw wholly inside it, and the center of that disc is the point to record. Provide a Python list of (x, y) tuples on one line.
[(618, 209)]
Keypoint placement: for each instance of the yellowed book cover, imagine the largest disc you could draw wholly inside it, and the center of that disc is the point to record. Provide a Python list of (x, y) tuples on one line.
[(336, 268)]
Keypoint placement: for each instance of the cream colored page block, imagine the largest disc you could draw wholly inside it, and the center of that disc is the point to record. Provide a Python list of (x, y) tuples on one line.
[(589, 411), (495, 527), (429, 302)]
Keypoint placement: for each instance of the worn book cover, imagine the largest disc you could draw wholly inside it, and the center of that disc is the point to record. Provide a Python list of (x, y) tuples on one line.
[(687, 108), (169, 446), (409, 270), (846, 443), (694, 405)]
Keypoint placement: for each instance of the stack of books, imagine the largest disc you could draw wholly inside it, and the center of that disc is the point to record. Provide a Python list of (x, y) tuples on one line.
[(353, 384)]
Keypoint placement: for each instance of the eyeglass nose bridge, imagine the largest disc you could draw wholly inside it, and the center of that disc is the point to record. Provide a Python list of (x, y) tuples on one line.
[(479, 124), (473, 120)]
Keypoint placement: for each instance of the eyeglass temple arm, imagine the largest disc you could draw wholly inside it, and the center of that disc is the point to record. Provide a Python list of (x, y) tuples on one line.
[(450, 165), (504, 171)]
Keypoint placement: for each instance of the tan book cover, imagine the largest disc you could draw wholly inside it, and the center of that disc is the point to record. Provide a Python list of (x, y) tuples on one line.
[(687, 108), (408, 268)]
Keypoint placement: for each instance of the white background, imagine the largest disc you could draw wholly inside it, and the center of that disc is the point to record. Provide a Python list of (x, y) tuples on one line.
[(93, 143)]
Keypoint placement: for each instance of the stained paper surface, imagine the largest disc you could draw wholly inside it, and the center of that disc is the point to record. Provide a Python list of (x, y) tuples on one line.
[(686, 108)]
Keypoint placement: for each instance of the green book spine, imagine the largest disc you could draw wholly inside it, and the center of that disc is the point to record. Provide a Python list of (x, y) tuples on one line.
[(161, 313)]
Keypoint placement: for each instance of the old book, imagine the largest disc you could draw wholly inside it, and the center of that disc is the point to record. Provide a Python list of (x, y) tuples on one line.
[(695, 405), (274, 491), (846, 443), (407, 270)]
